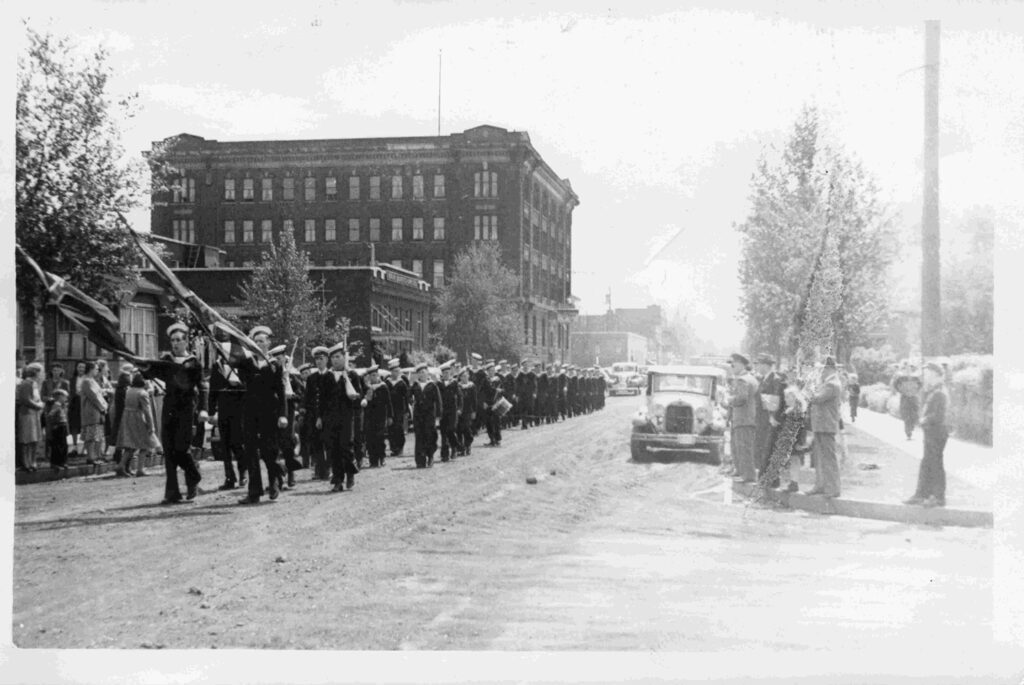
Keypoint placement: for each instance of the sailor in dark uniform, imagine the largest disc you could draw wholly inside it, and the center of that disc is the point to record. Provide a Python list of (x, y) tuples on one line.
[(377, 417), (451, 408), (468, 415), (398, 389), (478, 375), (286, 438), (602, 386), (265, 412), (426, 414), (491, 392), (338, 402), (185, 395), (526, 395), (358, 435), (226, 393), (314, 433)]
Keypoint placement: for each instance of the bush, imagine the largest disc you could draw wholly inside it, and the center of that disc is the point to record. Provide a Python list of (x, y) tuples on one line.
[(970, 397), (871, 365), (875, 397)]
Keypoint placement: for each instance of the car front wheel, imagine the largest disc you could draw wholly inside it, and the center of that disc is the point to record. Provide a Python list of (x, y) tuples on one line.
[(715, 454), (638, 450)]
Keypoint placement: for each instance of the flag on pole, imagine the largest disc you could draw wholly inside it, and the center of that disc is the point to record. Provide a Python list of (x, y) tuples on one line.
[(101, 326), (206, 315)]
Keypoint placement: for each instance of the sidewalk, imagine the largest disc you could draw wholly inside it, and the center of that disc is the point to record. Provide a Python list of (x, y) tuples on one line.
[(880, 471)]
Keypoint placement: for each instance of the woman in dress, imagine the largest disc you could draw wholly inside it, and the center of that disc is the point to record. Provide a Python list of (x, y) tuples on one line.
[(94, 409), (75, 406), (137, 430), (107, 388), (29, 407)]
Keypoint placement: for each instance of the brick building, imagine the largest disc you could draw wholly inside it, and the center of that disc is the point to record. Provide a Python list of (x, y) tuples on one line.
[(412, 202), (648, 322)]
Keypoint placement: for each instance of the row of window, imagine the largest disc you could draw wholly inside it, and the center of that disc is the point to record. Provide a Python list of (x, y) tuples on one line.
[(414, 265), (485, 227), (547, 336)]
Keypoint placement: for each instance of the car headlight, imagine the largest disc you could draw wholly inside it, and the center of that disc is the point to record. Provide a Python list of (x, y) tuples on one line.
[(703, 414)]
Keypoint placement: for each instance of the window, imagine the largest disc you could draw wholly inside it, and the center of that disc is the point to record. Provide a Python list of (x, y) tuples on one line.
[(375, 187), (438, 185), (396, 187), (328, 262), (353, 187), (417, 267), (374, 230), (438, 228), (331, 188), (438, 273), (229, 231), (330, 230), (396, 230), (485, 227), (247, 185), (248, 264), (138, 329), (353, 230), (184, 190), (310, 230), (266, 231), (229, 189), (184, 230), (485, 184), (289, 227), (267, 192), (397, 263), (417, 187), (246, 231), (288, 188), (310, 189), (417, 228)]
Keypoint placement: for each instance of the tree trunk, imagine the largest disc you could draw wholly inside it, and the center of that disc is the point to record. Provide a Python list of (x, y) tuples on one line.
[(39, 327)]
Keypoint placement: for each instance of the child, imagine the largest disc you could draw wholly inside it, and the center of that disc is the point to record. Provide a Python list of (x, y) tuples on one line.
[(789, 436), (57, 430)]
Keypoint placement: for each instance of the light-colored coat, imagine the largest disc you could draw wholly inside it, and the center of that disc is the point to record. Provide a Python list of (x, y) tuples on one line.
[(744, 401), (825, 405), (29, 405), (138, 429), (93, 404)]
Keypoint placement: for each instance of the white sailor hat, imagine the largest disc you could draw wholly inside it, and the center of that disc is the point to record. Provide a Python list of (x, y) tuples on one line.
[(489, 361), (502, 362), (447, 365), (361, 371), (278, 349), (256, 330), (177, 326), (408, 369), (394, 363), (304, 367), (489, 364), (373, 369), (421, 367), (476, 357), (340, 347), (319, 349), (462, 370)]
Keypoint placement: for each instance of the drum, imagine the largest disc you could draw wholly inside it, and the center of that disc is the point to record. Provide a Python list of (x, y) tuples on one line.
[(502, 406)]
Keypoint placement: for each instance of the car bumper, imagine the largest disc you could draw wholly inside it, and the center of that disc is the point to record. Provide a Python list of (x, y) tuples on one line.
[(676, 440)]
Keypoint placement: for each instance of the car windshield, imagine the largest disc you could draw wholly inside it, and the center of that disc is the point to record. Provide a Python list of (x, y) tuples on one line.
[(624, 368), (674, 382)]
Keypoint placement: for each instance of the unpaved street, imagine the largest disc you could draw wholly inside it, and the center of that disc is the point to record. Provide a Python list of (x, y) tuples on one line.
[(603, 555)]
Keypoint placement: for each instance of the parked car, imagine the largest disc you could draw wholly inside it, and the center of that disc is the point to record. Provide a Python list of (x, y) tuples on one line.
[(682, 413), (628, 379)]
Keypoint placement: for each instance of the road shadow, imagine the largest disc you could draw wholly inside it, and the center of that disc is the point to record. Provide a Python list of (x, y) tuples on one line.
[(166, 512)]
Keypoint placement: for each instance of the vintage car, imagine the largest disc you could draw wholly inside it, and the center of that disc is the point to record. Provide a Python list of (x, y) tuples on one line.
[(681, 413), (627, 379)]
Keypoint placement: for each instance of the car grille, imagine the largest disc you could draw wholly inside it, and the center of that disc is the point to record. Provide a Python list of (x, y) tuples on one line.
[(678, 419)]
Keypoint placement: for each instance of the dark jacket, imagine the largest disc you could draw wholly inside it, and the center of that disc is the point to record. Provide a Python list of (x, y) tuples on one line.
[(426, 400)]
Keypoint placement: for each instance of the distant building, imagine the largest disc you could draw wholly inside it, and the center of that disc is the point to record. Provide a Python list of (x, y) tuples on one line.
[(648, 322), (604, 348), (411, 202)]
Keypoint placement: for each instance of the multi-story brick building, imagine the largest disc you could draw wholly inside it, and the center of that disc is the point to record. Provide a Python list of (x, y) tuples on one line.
[(412, 202)]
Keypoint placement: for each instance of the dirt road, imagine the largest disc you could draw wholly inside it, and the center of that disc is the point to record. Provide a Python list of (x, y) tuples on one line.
[(603, 554)]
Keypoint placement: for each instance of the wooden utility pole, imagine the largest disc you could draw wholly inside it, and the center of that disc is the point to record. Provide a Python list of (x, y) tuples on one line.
[(931, 294)]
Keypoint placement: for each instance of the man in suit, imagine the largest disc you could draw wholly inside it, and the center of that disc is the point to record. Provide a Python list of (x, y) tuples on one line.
[(931, 477), (398, 387), (743, 406), (825, 404), (451, 408), (338, 402), (426, 413), (185, 396)]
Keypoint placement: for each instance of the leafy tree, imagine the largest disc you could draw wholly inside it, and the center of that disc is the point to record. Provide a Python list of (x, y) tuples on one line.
[(280, 294), (816, 248), (967, 284), (476, 312), (69, 175)]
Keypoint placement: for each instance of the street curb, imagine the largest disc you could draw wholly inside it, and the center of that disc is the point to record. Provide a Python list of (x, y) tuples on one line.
[(901, 513), (46, 474)]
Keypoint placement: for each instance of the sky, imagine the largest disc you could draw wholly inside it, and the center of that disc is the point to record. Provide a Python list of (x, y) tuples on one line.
[(656, 112)]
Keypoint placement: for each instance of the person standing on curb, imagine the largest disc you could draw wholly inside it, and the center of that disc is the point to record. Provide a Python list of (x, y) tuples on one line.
[(931, 478), (824, 425), (908, 386), (853, 391), (770, 410), (743, 404)]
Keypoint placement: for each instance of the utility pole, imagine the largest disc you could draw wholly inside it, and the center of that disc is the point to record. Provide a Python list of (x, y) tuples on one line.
[(931, 293), (438, 93)]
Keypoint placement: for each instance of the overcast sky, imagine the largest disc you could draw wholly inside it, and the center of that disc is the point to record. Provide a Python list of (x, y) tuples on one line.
[(656, 112)]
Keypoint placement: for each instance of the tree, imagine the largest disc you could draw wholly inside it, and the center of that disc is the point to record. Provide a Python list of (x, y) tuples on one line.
[(476, 312), (967, 283), (816, 249), (70, 178), (280, 294)]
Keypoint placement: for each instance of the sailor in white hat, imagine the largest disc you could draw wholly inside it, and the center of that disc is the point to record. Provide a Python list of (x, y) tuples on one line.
[(451, 407), (398, 388), (376, 416), (339, 406), (426, 414), (312, 438)]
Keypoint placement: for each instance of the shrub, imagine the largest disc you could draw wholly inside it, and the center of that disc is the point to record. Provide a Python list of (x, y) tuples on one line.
[(873, 365), (875, 397), (970, 397)]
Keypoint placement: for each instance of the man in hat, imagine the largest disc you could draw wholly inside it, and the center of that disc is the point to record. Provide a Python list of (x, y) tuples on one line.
[(481, 378), (771, 407), (451, 408), (339, 400), (377, 416), (743, 406), (226, 391), (286, 437), (526, 392), (313, 400), (426, 412), (908, 385), (491, 394), (264, 407), (185, 398), (931, 477), (398, 388), (468, 414), (825, 404)]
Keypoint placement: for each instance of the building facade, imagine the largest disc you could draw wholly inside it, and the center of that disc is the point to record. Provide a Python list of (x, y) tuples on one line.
[(648, 322), (605, 348), (412, 202)]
